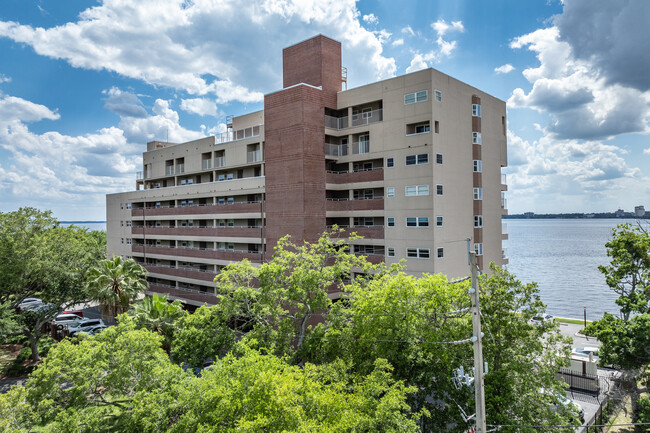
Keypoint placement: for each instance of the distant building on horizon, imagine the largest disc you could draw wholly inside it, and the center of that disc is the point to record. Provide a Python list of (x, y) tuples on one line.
[(412, 163), (620, 213), (639, 211)]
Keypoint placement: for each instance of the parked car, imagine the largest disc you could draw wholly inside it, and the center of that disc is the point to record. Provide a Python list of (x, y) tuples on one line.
[(540, 320), (586, 351), (84, 325), (66, 319), (28, 302), (566, 401), (93, 330), (75, 312)]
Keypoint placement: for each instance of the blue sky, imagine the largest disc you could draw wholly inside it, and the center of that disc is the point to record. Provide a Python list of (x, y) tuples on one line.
[(85, 84)]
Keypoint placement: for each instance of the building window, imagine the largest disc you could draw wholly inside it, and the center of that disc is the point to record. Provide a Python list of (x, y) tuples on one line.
[(418, 253), (478, 166), (476, 110), (440, 252), (412, 98), (221, 200), (129, 241), (231, 200), (438, 95), (476, 137), (422, 158), (436, 127), (391, 252), (478, 221), (364, 143), (128, 205), (390, 192), (438, 189), (121, 205), (438, 158), (390, 162), (478, 249), (129, 223), (417, 222), (417, 190), (439, 221), (418, 128), (478, 193), (390, 222)]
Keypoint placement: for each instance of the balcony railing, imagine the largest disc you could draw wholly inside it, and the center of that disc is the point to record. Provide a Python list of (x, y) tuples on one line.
[(254, 156), (375, 203), (358, 119), (219, 161), (503, 179), (504, 228), (240, 134), (169, 170), (360, 147), (138, 175), (336, 149), (180, 168), (504, 254), (206, 164), (504, 203), (340, 177)]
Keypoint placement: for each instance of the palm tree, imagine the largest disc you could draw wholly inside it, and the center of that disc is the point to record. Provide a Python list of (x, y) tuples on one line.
[(114, 283), (156, 314)]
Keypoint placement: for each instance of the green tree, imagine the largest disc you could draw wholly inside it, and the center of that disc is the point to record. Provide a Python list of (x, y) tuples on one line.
[(115, 283), (203, 336), (41, 259), (156, 314), (277, 299), (628, 273), (624, 343)]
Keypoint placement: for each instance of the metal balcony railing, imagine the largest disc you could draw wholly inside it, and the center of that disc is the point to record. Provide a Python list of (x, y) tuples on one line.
[(180, 168), (358, 119), (138, 175), (254, 156), (336, 149), (224, 137), (206, 164), (169, 170), (219, 161), (504, 179)]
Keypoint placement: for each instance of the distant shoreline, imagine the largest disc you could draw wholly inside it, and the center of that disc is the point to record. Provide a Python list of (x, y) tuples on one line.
[(626, 216)]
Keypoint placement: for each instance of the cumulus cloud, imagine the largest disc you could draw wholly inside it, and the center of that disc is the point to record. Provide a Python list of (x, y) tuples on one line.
[(50, 168), (586, 97), (4, 79), (408, 30), (441, 27), (180, 44), (125, 104), (200, 106), (445, 48), (504, 69), (398, 42), (371, 19)]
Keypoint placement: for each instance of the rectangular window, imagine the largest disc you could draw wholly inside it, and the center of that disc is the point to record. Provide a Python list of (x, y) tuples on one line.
[(128, 205), (221, 177), (436, 127), (423, 128), (438, 95), (438, 158), (439, 221), (411, 98), (221, 200), (390, 192), (478, 249), (439, 189), (476, 137), (364, 143), (422, 158), (478, 193), (478, 221), (478, 166), (390, 222), (417, 190), (391, 252), (129, 223), (440, 252), (476, 110), (129, 241), (417, 222), (390, 162), (418, 253), (231, 200)]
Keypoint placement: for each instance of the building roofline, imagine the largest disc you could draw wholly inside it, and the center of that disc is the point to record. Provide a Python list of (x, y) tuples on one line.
[(291, 87), (310, 38)]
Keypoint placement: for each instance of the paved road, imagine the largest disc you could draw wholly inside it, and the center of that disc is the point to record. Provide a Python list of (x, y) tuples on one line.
[(579, 340), (5, 384)]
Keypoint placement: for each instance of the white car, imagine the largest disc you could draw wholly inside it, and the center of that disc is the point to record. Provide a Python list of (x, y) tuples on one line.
[(66, 319), (585, 352), (540, 320), (29, 302), (84, 326)]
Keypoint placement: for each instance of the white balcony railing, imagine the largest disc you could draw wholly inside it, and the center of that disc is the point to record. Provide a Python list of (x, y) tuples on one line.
[(504, 203), (358, 119), (240, 134), (336, 149), (220, 161), (180, 168), (138, 175), (206, 164), (254, 156), (169, 170), (504, 228), (504, 179)]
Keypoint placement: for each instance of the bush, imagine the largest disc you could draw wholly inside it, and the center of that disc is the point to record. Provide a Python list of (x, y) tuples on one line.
[(593, 328), (643, 409)]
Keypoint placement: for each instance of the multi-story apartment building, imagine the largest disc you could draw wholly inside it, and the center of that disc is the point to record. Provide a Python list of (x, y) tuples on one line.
[(411, 163)]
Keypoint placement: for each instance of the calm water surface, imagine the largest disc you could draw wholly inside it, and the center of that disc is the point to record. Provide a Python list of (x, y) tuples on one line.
[(562, 256)]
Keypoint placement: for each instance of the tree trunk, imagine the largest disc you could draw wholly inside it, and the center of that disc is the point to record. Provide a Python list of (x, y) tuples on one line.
[(33, 344)]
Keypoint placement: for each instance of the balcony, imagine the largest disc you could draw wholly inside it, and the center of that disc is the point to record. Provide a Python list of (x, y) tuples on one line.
[(207, 209), (219, 161), (195, 274), (174, 231), (342, 205), (138, 175), (366, 232), (361, 147), (504, 231), (372, 258), (169, 170), (240, 134), (504, 183), (179, 292), (341, 177), (180, 168), (337, 150), (254, 156), (359, 119), (206, 164), (206, 253)]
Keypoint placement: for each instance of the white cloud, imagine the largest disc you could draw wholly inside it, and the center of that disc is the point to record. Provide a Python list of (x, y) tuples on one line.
[(398, 42), (4, 79), (408, 31), (647, 151), (200, 106), (179, 44), (419, 62), (72, 174), (441, 27), (371, 19), (504, 69)]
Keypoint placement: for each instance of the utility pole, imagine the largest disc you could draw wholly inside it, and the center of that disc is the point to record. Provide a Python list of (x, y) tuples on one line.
[(479, 386)]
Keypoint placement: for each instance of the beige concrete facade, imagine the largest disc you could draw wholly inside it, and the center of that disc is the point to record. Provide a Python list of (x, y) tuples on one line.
[(396, 161)]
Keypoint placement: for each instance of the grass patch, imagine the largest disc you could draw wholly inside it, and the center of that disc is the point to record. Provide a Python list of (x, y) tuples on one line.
[(572, 321)]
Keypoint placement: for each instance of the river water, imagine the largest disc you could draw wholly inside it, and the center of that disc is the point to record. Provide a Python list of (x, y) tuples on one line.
[(562, 256)]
